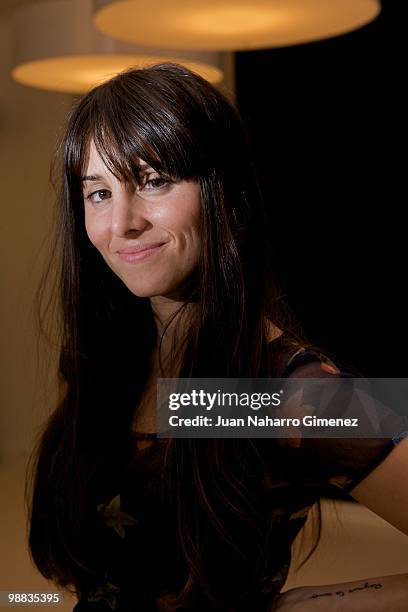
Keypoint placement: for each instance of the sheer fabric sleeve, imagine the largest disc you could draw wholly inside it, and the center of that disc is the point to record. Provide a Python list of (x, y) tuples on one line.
[(344, 461)]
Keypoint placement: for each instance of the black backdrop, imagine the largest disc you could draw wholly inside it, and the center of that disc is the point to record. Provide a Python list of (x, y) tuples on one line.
[(327, 128)]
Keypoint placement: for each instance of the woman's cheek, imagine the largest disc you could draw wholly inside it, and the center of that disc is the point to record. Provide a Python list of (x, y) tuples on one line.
[(94, 231)]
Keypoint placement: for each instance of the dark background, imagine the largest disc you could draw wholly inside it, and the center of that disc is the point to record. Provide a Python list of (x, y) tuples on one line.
[(327, 123)]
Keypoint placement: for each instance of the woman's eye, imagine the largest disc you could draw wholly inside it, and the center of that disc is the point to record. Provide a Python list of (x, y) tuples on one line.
[(99, 195), (155, 183)]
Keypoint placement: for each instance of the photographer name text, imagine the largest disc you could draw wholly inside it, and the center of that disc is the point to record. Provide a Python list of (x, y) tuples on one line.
[(257, 421)]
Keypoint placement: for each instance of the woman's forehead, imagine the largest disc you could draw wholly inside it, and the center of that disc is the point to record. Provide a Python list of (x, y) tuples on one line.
[(95, 160)]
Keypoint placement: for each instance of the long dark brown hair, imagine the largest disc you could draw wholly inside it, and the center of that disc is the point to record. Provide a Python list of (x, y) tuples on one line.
[(185, 129)]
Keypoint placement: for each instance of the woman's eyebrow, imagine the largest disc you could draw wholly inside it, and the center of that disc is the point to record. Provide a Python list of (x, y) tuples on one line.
[(98, 177), (91, 177)]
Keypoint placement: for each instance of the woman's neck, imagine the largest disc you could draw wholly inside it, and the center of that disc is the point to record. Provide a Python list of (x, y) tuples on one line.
[(171, 317), (164, 309)]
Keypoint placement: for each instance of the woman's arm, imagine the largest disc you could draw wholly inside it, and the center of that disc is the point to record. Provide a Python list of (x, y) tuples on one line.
[(385, 492), (384, 594), (385, 489)]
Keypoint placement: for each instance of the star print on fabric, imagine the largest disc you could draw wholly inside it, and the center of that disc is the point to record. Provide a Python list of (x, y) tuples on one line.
[(114, 517), (106, 592)]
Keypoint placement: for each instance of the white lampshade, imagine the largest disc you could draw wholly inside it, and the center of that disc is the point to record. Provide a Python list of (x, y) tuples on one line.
[(230, 24), (56, 47)]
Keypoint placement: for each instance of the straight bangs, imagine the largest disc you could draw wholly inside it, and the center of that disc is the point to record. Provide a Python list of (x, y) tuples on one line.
[(127, 126)]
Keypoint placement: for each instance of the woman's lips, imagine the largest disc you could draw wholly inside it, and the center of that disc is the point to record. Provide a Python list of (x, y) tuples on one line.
[(131, 257)]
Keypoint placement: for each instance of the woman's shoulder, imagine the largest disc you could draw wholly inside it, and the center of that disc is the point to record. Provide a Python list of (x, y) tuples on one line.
[(310, 361), (301, 358), (343, 460)]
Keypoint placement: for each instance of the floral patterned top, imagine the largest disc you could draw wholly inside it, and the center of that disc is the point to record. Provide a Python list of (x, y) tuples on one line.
[(144, 559)]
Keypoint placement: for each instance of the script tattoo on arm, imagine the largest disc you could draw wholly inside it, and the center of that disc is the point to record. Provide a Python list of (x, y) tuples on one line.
[(366, 585)]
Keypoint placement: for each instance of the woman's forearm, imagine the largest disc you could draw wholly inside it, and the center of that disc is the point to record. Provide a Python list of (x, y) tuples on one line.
[(383, 594)]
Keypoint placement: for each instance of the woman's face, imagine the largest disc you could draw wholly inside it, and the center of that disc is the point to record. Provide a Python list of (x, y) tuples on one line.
[(121, 218)]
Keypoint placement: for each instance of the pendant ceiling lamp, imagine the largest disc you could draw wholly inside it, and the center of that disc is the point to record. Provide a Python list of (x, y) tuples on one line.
[(56, 47), (230, 24)]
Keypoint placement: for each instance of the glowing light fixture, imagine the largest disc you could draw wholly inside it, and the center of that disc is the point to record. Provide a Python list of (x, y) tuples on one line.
[(231, 24), (57, 48)]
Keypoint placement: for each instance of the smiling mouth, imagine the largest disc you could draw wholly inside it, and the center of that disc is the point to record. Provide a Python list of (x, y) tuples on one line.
[(141, 255)]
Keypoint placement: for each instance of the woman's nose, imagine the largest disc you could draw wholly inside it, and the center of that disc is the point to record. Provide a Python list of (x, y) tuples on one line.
[(127, 215)]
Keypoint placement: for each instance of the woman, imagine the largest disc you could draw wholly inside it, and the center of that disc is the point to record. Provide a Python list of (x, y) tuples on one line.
[(164, 269)]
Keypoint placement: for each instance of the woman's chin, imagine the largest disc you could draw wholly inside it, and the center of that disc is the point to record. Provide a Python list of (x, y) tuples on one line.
[(149, 291)]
